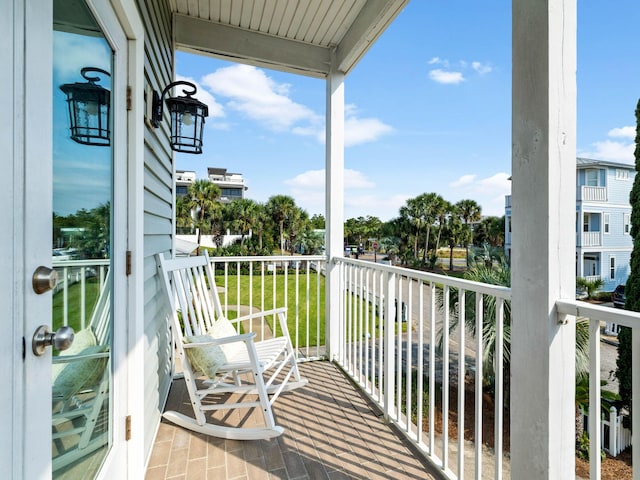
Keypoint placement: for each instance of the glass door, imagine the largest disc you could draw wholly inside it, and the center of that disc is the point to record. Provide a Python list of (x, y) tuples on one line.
[(82, 240)]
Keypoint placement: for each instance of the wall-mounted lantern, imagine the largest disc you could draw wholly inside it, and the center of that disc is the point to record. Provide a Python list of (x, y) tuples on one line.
[(89, 109), (187, 116)]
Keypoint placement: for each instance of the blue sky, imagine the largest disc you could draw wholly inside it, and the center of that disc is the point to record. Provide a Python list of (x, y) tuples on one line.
[(428, 110), (81, 173)]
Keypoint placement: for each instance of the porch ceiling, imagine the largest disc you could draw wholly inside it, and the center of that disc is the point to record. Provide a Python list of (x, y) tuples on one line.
[(289, 35)]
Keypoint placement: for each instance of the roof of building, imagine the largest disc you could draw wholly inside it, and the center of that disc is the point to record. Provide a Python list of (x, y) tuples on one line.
[(589, 162)]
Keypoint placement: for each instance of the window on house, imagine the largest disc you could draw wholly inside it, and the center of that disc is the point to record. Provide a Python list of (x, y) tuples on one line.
[(592, 177), (585, 222), (622, 174), (627, 223), (606, 223), (612, 268)]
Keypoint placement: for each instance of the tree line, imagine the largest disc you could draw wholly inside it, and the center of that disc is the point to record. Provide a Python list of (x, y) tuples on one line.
[(424, 225), (263, 227)]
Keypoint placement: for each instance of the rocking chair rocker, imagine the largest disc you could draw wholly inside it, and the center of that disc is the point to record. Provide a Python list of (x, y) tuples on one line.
[(210, 346)]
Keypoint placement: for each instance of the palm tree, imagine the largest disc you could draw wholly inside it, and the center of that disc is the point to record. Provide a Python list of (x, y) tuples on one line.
[(183, 212), (373, 227), (203, 199), (244, 215), (390, 246), (491, 230), (298, 223), (442, 210), (589, 286), (309, 242), (456, 233), (280, 208), (411, 212), (470, 211), (501, 275)]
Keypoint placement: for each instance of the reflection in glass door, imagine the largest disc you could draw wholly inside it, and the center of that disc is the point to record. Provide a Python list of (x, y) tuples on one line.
[(81, 240)]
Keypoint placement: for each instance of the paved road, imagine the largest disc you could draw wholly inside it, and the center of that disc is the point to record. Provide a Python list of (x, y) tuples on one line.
[(608, 352)]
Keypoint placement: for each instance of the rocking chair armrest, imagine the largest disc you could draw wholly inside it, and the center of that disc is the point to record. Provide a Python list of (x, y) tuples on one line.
[(280, 312), (220, 341), (62, 359), (264, 313)]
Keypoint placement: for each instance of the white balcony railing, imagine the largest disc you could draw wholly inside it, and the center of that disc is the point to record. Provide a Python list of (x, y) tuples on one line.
[(76, 274), (589, 239), (399, 342), (592, 278), (597, 314), (295, 282), (592, 194)]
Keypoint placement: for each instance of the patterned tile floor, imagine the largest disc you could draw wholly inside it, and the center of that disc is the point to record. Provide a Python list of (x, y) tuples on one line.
[(331, 432)]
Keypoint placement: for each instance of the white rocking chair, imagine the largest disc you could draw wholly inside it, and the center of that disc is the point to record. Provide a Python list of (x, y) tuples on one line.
[(81, 388), (209, 345)]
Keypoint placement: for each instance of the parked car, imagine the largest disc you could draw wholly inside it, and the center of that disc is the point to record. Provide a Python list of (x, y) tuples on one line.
[(618, 297)]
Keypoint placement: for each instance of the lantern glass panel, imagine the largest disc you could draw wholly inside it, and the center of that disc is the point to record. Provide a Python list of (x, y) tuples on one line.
[(187, 121), (89, 110)]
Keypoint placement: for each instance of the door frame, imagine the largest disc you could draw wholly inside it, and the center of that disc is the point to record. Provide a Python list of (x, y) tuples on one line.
[(26, 188)]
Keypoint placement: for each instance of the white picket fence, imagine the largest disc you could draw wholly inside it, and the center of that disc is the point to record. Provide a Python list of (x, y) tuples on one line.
[(614, 437)]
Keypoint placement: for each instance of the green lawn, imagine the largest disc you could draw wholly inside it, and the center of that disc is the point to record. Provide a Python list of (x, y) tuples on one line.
[(91, 291), (316, 330)]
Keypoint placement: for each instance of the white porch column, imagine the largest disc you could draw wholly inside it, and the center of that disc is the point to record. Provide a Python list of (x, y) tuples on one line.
[(543, 238), (580, 262), (334, 166)]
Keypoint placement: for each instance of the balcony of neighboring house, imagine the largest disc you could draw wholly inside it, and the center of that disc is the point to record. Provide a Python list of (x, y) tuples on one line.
[(592, 228), (589, 239), (592, 193), (404, 381)]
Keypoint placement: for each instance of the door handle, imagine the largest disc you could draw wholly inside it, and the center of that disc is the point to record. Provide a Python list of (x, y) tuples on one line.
[(61, 339), (44, 279)]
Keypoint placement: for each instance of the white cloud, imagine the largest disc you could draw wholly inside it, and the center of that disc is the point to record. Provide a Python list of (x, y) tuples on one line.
[(481, 68), (215, 109), (489, 192), (385, 207), (308, 189), (252, 92), (623, 132), (363, 130), (442, 76), (462, 181), (610, 150), (456, 74), (356, 130), (79, 52), (613, 150), (315, 179)]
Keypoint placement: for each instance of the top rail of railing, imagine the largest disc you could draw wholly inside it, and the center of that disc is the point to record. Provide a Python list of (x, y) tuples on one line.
[(625, 318), (91, 262), (495, 290), (268, 258)]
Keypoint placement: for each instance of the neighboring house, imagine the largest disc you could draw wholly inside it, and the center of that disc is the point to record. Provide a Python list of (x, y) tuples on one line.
[(603, 221), (184, 178), (231, 185)]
